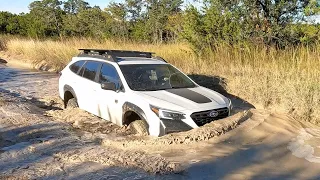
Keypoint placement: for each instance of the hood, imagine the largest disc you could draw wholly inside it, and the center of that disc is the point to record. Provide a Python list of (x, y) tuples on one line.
[(198, 98)]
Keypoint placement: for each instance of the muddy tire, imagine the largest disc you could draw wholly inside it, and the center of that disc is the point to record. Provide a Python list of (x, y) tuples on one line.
[(72, 103), (139, 127)]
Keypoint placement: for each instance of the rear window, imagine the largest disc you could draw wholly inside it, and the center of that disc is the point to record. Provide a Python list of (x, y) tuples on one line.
[(90, 70), (76, 66)]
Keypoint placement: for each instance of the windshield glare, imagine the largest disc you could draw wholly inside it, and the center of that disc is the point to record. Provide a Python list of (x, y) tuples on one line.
[(152, 77)]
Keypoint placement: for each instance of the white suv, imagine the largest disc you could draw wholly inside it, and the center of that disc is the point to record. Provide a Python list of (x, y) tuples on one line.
[(135, 89)]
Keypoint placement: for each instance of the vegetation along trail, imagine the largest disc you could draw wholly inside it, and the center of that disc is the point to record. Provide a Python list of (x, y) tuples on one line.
[(41, 140)]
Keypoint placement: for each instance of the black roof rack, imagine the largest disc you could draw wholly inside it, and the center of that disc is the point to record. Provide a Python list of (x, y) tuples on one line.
[(112, 55)]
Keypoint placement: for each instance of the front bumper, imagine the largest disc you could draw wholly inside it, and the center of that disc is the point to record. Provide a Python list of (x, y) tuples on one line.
[(193, 120), (172, 126), (203, 117)]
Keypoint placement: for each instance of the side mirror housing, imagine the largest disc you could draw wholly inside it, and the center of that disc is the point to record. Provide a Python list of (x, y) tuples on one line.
[(109, 86)]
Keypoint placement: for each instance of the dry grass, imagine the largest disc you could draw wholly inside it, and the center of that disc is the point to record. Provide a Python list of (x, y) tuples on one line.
[(57, 53), (287, 80)]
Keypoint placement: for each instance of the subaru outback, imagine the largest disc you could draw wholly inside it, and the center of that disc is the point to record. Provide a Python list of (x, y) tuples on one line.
[(138, 90)]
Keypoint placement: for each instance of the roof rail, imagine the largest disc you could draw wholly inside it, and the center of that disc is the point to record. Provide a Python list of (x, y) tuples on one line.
[(160, 58), (113, 54), (87, 53)]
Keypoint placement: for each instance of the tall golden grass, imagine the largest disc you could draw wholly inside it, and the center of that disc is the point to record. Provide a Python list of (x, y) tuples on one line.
[(286, 80)]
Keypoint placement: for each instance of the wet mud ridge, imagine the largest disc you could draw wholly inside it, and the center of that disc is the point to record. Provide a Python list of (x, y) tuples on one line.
[(39, 139), (34, 145), (205, 133)]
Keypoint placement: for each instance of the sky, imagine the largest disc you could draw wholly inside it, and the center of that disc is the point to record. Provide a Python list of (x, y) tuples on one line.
[(19, 6)]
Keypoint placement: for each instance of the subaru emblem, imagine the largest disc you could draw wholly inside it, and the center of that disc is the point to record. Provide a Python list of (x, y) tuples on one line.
[(213, 114)]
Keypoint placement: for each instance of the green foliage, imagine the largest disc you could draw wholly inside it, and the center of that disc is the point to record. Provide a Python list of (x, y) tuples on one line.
[(46, 16), (75, 6), (4, 20), (221, 22), (272, 19), (193, 28), (271, 22), (158, 12), (117, 14), (278, 23), (89, 22)]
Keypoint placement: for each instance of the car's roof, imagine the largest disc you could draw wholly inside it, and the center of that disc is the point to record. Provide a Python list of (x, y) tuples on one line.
[(139, 60), (126, 60)]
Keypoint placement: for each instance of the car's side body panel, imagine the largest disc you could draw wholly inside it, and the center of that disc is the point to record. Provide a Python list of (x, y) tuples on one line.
[(87, 98), (110, 105)]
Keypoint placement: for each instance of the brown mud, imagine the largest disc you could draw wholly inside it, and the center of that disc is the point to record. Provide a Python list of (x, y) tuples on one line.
[(41, 140)]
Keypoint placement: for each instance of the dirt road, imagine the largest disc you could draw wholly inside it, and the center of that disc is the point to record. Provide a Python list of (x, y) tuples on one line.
[(38, 139)]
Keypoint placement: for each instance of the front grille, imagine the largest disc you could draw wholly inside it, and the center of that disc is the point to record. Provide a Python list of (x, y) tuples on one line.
[(202, 118)]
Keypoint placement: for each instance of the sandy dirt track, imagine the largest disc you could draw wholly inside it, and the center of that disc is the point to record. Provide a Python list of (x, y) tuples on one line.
[(38, 139)]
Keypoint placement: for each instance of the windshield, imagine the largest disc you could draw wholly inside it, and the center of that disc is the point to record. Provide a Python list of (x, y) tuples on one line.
[(152, 77)]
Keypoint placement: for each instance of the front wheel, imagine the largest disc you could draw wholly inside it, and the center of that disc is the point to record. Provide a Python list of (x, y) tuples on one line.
[(72, 103), (139, 127)]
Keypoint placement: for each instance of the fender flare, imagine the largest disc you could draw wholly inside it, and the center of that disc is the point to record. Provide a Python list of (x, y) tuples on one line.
[(127, 106)]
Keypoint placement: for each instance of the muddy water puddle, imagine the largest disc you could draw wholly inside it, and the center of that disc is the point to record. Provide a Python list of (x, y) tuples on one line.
[(28, 83)]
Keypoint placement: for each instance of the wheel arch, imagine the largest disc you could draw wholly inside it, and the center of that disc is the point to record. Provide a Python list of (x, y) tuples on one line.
[(68, 93), (131, 112)]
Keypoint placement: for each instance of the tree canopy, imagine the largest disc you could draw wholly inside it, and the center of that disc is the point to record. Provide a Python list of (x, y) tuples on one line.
[(279, 22)]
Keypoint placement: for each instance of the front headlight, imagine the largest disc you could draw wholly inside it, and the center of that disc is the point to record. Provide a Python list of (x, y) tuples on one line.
[(167, 114)]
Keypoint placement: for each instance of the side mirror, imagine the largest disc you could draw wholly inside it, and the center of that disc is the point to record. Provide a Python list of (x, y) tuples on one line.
[(109, 86)]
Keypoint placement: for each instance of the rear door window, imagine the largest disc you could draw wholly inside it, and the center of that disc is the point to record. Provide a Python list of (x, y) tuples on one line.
[(109, 73), (76, 66), (90, 70)]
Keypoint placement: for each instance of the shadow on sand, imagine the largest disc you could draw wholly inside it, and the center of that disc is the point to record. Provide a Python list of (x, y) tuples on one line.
[(219, 84)]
